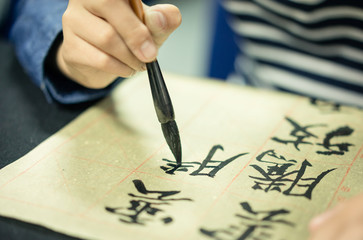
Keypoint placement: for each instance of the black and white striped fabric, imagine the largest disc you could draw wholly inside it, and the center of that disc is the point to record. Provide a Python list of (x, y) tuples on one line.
[(309, 47)]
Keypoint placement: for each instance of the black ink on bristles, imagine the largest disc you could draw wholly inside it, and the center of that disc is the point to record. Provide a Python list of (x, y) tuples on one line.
[(162, 102), (171, 134)]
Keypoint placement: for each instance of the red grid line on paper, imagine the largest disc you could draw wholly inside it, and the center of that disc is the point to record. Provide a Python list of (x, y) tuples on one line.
[(190, 120), (103, 115), (136, 170), (92, 123), (122, 180), (189, 183), (345, 175), (116, 140), (68, 213), (265, 201), (39, 205), (279, 124), (95, 161), (293, 107), (150, 157), (65, 180)]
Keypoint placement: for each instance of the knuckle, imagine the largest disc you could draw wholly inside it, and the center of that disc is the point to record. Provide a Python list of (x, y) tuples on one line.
[(66, 17), (136, 37), (99, 5), (106, 2), (128, 72), (131, 61), (107, 37), (103, 62), (69, 55)]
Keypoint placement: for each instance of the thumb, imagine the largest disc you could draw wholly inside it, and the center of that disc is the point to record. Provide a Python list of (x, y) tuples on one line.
[(162, 20)]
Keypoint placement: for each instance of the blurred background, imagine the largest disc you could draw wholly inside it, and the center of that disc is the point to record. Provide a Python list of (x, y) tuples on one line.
[(187, 49), (196, 48)]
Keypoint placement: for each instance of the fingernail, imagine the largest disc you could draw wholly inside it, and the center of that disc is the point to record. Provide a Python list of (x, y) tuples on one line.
[(157, 18), (148, 50)]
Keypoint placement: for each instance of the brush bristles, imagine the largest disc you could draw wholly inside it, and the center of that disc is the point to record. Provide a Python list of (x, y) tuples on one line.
[(171, 134)]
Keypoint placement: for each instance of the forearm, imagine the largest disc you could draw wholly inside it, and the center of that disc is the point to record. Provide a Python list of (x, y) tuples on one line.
[(36, 27)]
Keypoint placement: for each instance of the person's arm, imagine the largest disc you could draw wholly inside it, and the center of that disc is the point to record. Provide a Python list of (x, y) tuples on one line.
[(79, 60), (37, 28)]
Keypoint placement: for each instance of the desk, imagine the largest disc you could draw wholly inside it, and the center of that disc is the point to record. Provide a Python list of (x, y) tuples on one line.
[(26, 120)]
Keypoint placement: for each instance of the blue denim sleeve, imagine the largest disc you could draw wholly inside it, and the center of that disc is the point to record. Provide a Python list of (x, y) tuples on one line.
[(36, 26)]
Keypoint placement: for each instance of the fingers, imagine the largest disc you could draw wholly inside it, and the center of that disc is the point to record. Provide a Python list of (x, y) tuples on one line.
[(134, 33), (345, 221), (101, 35), (88, 65), (104, 39), (327, 230), (162, 20), (353, 231), (143, 41), (322, 219)]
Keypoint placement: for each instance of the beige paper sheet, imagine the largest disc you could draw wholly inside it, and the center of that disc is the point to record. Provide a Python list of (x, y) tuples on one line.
[(256, 164)]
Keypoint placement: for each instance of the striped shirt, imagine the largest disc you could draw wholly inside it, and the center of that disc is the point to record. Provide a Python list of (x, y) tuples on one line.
[(309, 47)]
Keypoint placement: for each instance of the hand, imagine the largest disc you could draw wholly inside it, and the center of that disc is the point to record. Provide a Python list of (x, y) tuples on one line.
[(104, 39), (344, 222)]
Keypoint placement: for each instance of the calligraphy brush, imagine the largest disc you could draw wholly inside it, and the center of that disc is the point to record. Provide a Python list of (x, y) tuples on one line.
[(162, 102)]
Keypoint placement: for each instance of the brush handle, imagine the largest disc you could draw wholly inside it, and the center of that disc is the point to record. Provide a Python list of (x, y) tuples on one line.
[(162, 102), (136, 6)]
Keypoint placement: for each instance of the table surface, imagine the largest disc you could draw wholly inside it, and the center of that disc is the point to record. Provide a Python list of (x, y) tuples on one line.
[(26, 120)]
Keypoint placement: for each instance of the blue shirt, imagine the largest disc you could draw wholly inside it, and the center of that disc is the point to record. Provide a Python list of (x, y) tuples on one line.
[(33, 27)]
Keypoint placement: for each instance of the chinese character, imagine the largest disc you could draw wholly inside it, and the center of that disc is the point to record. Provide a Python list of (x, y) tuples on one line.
[(341, 147), (145, 207), (254, 225), (278, 178), (212, 166), (300, 133), (325, 106)]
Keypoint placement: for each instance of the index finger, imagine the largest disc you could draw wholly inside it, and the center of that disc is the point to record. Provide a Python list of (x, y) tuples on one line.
[(132, 30)]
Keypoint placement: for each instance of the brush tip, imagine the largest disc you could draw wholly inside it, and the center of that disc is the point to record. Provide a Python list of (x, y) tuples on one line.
[(171, 134)]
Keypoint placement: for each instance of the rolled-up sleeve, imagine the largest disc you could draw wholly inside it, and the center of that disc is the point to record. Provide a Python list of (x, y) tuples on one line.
[(37, 24)]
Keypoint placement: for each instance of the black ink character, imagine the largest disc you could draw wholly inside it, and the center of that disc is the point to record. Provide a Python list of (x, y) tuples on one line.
[(145, 207), (253, 225), (279, 164), (341, 147), (213, 165), (277, 178), (300, 133), (325, 106)]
